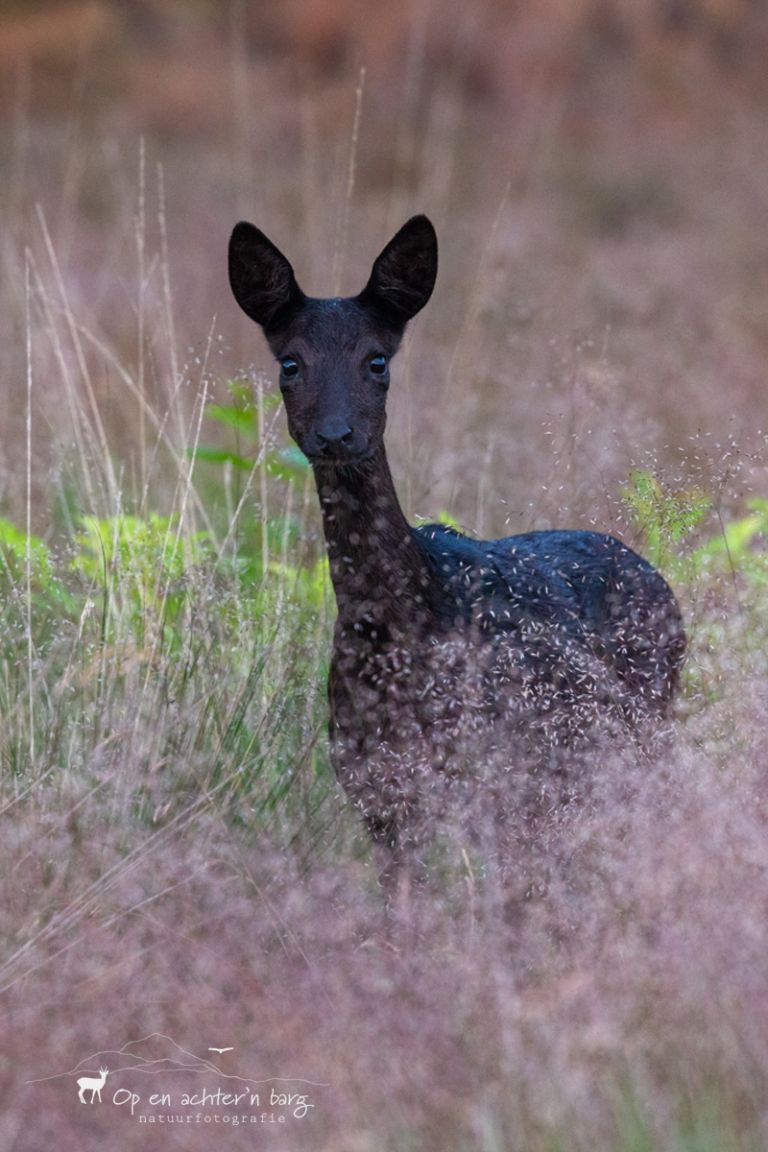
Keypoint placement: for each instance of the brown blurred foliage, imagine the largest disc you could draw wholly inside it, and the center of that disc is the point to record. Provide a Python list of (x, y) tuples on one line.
[(162, 53)]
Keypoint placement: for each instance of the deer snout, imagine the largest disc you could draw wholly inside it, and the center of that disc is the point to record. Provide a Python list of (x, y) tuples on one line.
[(335, 438)]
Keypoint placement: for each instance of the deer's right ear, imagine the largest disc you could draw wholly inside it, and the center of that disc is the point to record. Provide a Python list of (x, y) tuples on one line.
[(261, 278)]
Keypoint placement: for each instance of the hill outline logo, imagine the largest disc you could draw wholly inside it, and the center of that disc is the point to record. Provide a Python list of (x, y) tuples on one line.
[(222, 1097)]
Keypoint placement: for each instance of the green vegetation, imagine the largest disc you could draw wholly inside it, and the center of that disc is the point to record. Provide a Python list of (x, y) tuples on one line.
[(205, 649), (227, 630), (667, 519)]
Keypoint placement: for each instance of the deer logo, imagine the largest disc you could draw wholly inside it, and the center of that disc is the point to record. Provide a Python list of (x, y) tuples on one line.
[(92, 1084)]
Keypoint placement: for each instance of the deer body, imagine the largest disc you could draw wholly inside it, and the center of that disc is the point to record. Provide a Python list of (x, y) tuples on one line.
[(447, 650)]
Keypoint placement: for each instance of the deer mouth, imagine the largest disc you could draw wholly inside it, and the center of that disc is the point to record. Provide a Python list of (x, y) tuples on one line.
[(338, 454), (340, 460)]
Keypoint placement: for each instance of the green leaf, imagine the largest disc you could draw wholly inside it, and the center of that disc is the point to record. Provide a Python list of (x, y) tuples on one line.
[(288, 463), (13, 553), (242, 393), (759, 504), (220, 456), (245, 420), (664, 518), (444, 517)]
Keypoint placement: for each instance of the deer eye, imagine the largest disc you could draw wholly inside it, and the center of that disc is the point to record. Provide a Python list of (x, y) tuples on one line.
[(288, 368), (378, 365)]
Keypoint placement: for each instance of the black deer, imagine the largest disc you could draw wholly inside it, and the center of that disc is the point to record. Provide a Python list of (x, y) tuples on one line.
[(447, 651)]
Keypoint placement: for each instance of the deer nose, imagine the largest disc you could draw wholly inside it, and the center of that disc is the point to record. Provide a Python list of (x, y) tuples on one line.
[(334, 437)]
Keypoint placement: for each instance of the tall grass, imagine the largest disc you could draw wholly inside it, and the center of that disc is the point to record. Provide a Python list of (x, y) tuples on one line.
[(176, 857)]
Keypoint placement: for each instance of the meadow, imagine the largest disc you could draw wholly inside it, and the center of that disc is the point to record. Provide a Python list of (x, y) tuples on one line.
[(177, 861)]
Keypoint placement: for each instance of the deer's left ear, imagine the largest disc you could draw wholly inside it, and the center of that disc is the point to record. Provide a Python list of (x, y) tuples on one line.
[(404, 274), (261, 278)]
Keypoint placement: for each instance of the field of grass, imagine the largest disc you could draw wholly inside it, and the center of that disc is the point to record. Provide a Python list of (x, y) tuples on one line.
[(178, 869)]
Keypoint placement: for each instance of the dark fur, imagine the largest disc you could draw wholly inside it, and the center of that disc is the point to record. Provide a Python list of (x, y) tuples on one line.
[(448, 652)]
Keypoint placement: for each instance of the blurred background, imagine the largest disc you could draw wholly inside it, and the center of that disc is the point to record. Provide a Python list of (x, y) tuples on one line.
[(597, 171)]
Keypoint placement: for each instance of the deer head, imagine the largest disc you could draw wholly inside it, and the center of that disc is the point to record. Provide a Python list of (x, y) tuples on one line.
[(334, 353)]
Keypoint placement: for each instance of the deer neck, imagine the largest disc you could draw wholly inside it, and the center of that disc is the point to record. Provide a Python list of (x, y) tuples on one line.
[(378, 568)]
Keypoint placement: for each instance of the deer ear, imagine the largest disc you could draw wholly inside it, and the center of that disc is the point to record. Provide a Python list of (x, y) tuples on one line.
[(261, 278), (404, 274)]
